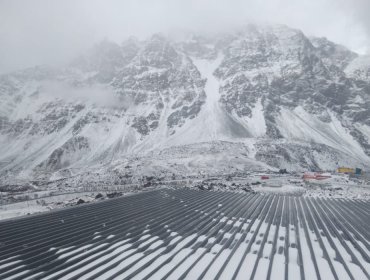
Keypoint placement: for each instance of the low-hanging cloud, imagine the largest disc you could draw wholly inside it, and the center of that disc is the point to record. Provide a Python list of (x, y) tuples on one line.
[(53, 32), (96, 94)]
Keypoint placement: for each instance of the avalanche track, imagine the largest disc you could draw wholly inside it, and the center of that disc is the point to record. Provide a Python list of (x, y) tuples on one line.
[(185, 234)]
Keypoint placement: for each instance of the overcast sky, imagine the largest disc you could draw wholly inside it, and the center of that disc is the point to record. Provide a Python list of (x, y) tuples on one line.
[(36, 32)]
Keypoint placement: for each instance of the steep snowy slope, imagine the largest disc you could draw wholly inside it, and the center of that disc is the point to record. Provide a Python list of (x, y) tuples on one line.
[(359, 68), (260, 97), (213, 122)]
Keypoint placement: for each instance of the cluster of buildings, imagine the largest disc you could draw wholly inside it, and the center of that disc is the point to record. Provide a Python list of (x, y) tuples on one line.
[(352, 172)]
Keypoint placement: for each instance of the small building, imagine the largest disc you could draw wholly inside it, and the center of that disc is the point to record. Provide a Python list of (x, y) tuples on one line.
[(315, 176), (357, 174), (358, 171), (346, 170)]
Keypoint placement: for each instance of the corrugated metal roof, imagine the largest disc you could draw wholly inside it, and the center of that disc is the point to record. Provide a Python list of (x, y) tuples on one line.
[(185, 234)]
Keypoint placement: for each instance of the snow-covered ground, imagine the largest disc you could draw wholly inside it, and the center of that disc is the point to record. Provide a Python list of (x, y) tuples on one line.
[(43, 204), (338, 186)]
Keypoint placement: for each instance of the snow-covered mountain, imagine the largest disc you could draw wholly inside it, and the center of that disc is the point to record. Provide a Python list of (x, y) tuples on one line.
[(260, 97)]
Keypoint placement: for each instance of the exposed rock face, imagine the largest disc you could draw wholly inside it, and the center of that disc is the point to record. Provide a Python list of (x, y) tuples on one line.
[(333, 54), (359, 69), (161, 75), (290, 99), (60, 157)]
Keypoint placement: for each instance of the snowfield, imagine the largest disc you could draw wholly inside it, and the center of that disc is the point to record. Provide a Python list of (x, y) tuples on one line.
[(42, 204), (187, 234)]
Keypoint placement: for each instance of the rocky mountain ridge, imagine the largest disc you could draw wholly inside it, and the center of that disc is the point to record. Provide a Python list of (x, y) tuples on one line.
[(261, 97)]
